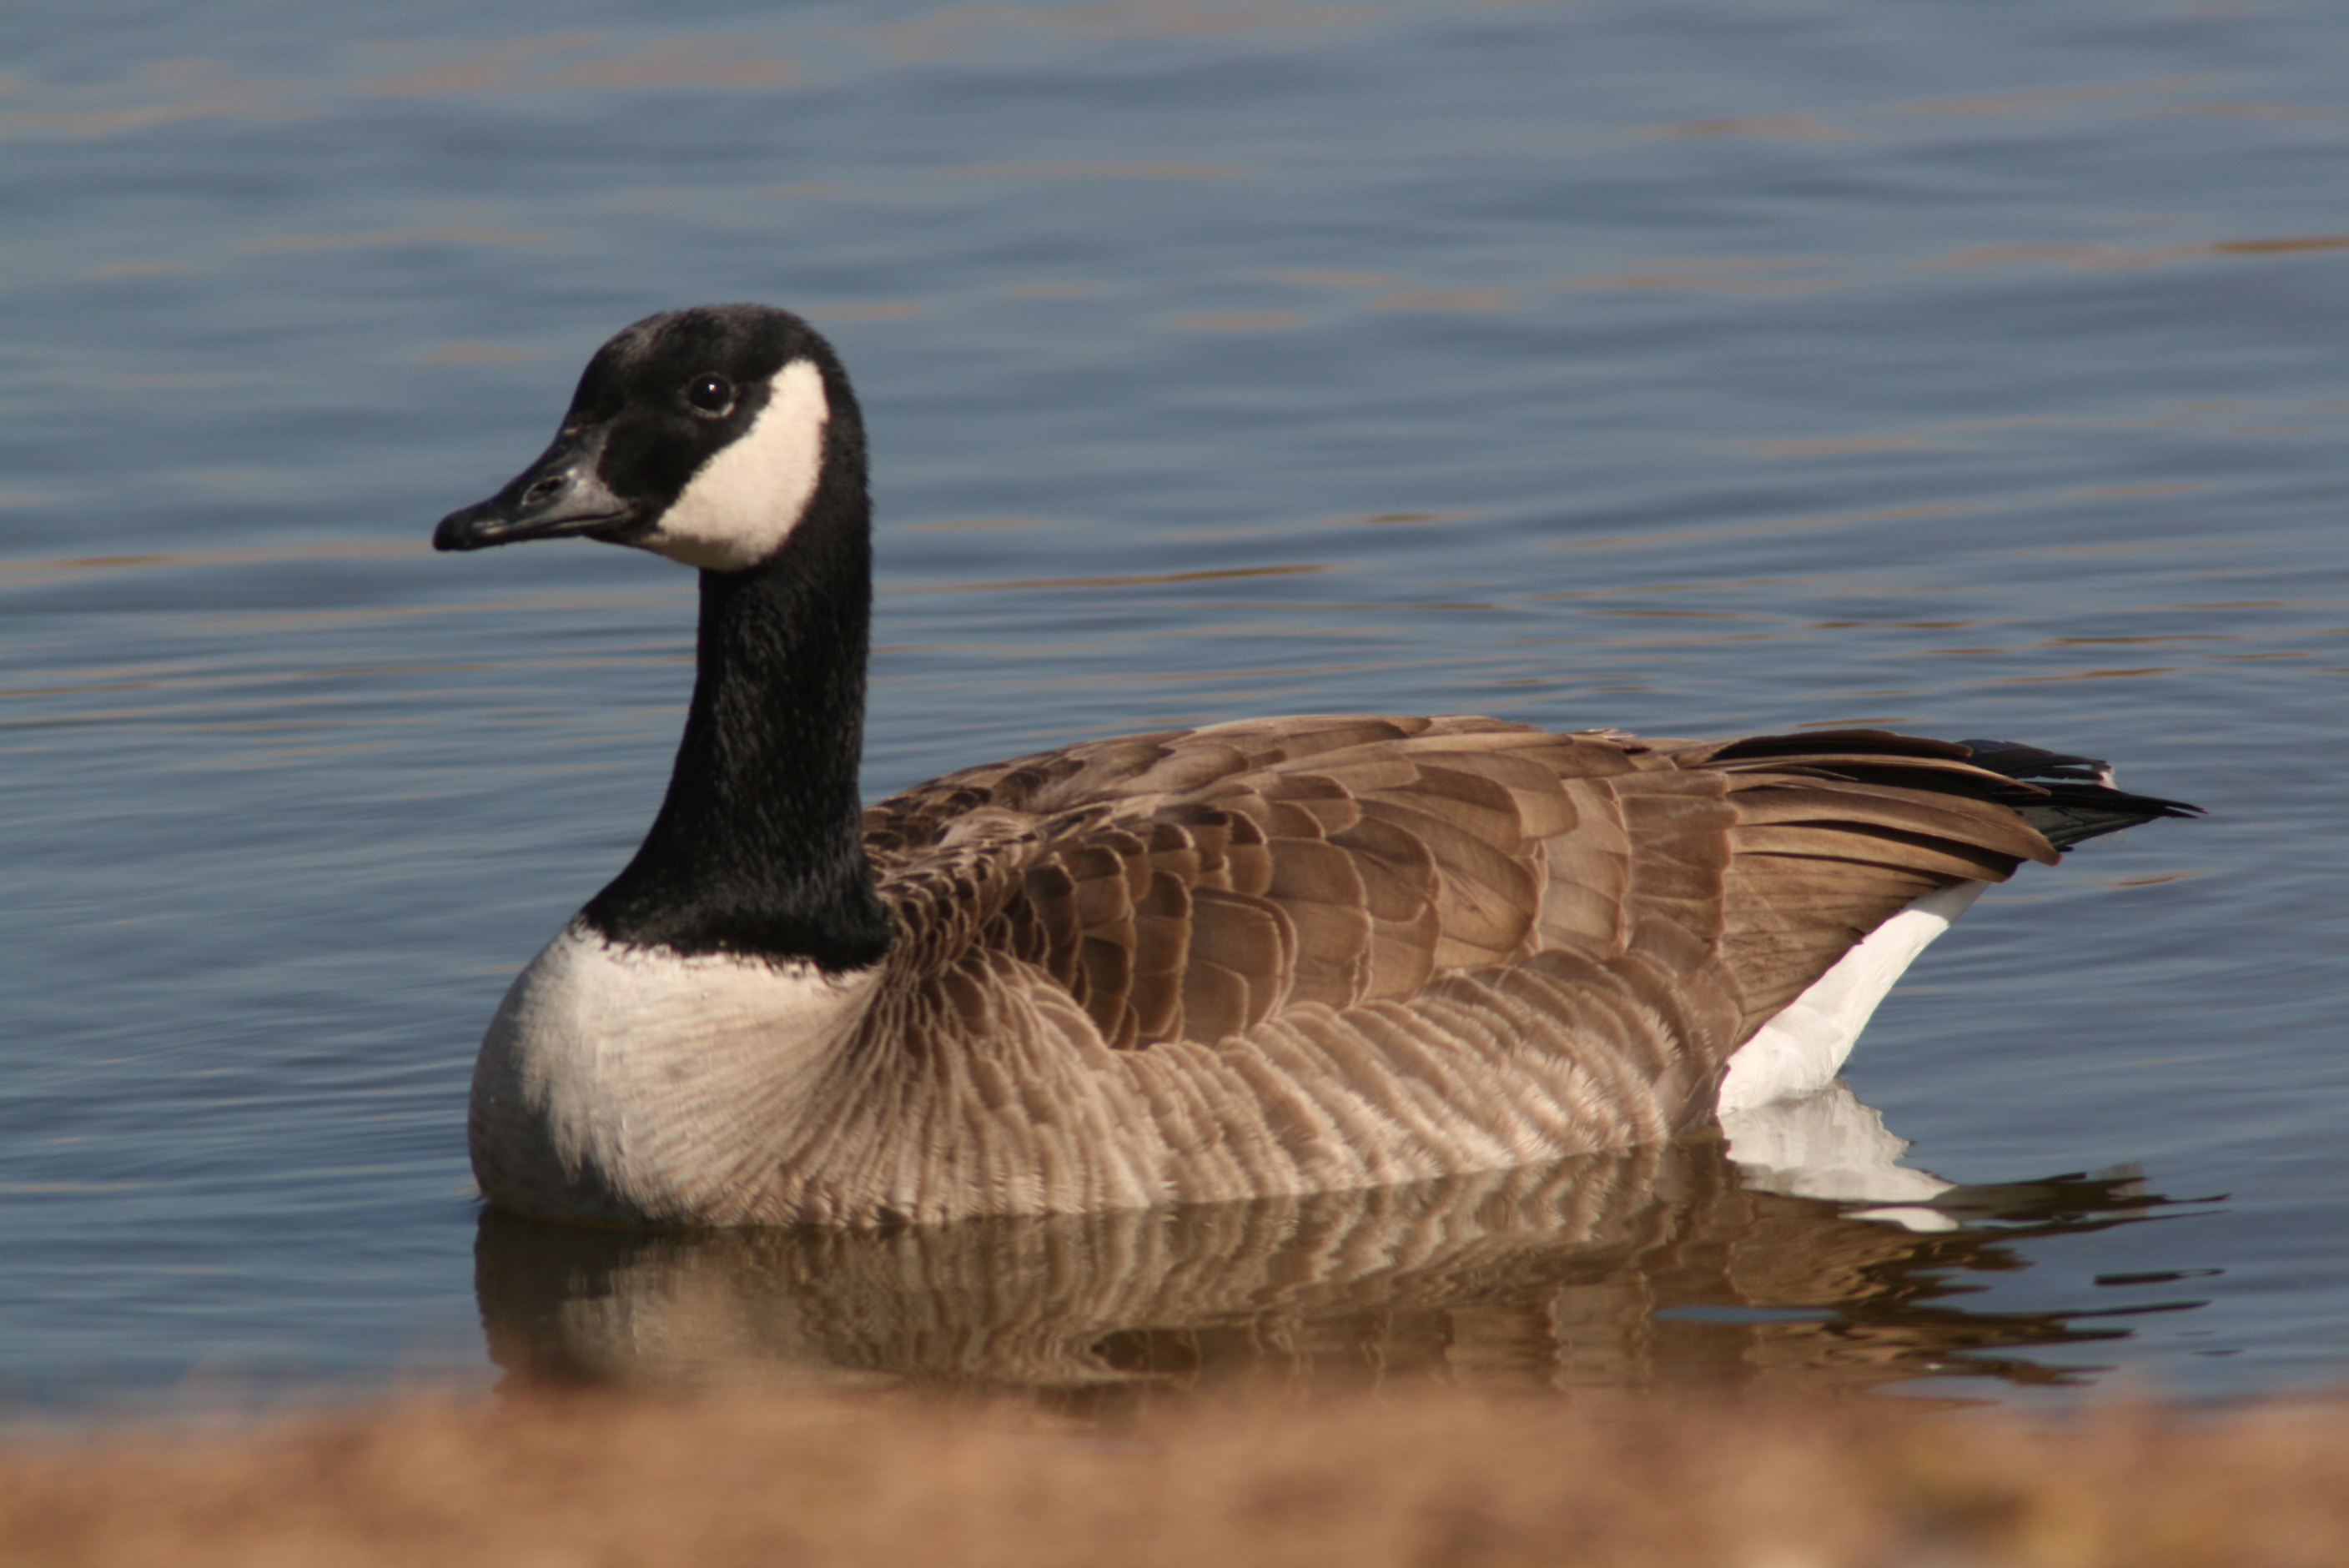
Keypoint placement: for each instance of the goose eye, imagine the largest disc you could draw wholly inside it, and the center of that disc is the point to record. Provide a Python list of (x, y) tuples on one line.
[(710, 394)]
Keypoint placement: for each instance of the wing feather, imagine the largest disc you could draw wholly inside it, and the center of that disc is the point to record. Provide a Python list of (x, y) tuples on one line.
[(1196, 885)]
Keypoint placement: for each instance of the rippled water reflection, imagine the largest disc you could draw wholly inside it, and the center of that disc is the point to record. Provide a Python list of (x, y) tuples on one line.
[(1646, 1268), (1693, 370)]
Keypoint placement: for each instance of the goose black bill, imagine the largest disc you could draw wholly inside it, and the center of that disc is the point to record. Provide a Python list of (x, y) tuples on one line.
[(561, 496)]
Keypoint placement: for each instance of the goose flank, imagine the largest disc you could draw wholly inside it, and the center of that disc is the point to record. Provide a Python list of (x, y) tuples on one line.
[(1276, 955)]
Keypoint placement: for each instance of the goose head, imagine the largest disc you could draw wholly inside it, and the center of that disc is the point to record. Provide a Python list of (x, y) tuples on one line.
[(706, 435)]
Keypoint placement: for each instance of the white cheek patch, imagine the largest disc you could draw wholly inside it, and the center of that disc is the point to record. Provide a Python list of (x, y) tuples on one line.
[(740, 506)]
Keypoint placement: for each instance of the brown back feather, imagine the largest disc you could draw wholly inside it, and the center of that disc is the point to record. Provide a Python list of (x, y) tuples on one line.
[(1195, 884)]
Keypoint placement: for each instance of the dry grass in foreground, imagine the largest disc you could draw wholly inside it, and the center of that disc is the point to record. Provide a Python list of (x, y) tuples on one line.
[(773, 1477)]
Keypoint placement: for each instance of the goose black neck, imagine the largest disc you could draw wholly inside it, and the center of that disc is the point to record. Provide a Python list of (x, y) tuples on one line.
[(758, 849)]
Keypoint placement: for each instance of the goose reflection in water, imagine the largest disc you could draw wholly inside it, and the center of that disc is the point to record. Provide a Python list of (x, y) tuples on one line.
[(1672, 1262)]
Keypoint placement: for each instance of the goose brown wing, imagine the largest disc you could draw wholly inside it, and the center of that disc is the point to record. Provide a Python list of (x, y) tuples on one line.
[(1194, 884), (1189, 884)]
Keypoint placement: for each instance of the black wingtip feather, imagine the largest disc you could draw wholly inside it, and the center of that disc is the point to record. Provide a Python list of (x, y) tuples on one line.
[(2080, 801)]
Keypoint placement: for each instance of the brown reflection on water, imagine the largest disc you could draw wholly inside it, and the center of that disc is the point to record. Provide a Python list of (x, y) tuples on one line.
[(417, 234), (38, 568), (864, 310), (475, 354), (1653, 538), (1642, 1268), (187, 95), (1791, 127), (1240, 321), (1715, 275), (1447, 299), (170, 93), (516, 65), (1099, 169), (1120, 580), (957, 30), (2082, 255), (2033, 99), (1326, 277)]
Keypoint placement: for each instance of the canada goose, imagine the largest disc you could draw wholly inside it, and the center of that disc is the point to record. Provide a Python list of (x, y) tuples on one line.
[(1278, 955)]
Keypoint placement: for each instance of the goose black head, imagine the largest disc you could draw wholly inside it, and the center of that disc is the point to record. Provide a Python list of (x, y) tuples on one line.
[(704, 435)]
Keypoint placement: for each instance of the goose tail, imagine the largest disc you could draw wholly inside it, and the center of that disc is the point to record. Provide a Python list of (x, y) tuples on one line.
[(2072, 798)]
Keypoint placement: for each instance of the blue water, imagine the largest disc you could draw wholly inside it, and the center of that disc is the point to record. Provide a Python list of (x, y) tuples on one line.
[(1694, 368)]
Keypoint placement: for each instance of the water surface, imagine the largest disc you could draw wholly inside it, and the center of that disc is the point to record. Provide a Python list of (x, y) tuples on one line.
[(1693, 368)]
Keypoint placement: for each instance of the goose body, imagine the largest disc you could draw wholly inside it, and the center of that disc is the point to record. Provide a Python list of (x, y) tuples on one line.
[(1270, 956)]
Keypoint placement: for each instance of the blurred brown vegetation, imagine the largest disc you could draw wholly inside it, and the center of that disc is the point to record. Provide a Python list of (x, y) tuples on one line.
[(773, 1474)]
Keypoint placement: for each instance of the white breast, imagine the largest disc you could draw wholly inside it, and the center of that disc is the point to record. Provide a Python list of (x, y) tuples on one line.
[(647, 1073)]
